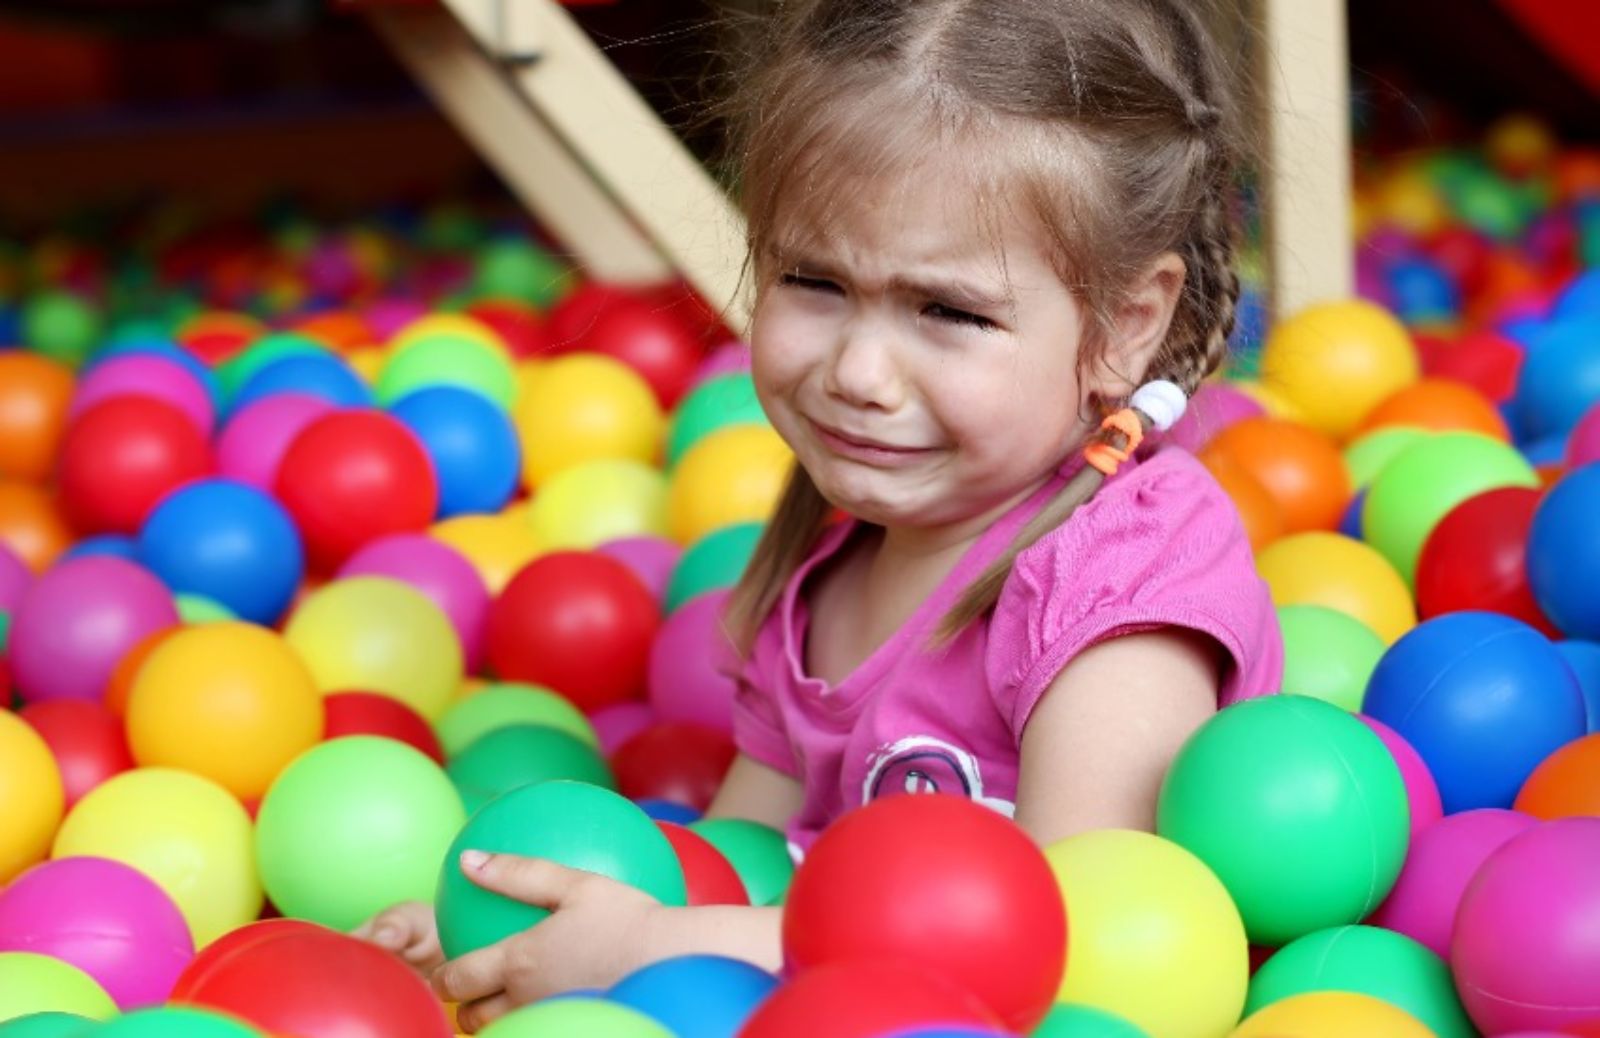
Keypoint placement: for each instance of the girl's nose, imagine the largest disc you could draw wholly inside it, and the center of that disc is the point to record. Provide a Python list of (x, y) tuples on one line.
[(862, 371)]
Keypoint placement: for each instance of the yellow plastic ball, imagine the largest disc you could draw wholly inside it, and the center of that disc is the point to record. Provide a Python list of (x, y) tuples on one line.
[(1331, 570), (31, 796), (1520, 144), (1336, 361), (734, 475), (496, 545), (1332, 1014), (1409, 201), (599, 501), (367, 362), (1148, 917), (374, 634), (188, 834), (583, 407), (33, 983), (230, 701)]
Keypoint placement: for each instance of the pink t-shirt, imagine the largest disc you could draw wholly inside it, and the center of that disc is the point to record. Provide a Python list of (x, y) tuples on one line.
[(1160, 545)]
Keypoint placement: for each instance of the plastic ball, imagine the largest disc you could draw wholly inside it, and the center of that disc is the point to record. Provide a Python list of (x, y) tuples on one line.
[(1337, 361), (86, 739), (1259, 512), (147, 376), (1483, 698), (1333, 571), (759, 853), (31, 526), (438, 571), (14, 577), (500, 706), (652, 559), (583, 408), (714, 404), (734, 475), (865, 999), (61, 326), (185, 832), (1214, 407), (252, 444), (598, 1017), (30, 789), (598, 501), (1299, 468), (471, 443), (378, 635), (1564, 555), (1522, 953), (107, 919), (498, 546), (46, 1025), (1484, 359), (579, 623), (1440, 405), (33, 983), (1422, 291), (1583, 446), (1560, 380), (661, 348), (1584, 659), (571, 823), (519, 269), (1146, 915), (367, 713), (1070, 1021), (319, 375), (1296, 806), (176, 1022), (521, 755), (263, 351), (696, 996), (619, 722), (74, 623), (1475, 559), (1566, 784), (676, 761), (690, 659), (708, 877), (716, 560), (1327, 654), (519, 325), (34, 394), (352, 827), (121, 457), (1331, 1014), (1422, 792)]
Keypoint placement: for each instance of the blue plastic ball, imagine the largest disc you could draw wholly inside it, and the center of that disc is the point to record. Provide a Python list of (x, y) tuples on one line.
[(472, 444), (1552, 450), (667, 811), (1560, 380), (1350, 525), (229, 542), (1564, 553), (112, 544), (314, 374), (1483, 698), (1584, 659), (1581, 297), (696, 996), (1422, 291)]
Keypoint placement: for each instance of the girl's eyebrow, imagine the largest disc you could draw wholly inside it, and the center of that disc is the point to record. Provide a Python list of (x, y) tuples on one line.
[(951, 290)]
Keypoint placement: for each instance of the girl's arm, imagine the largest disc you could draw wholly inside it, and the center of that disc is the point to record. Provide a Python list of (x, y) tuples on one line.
[(1099, 743)]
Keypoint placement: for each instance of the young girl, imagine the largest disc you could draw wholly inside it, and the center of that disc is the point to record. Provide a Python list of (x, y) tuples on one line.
[(978, 229)]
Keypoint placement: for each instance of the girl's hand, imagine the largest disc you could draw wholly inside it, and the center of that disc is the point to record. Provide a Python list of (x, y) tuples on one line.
[(597, 932), (408, 930)]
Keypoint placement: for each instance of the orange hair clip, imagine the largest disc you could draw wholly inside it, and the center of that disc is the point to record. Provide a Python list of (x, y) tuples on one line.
[(1104, 456)]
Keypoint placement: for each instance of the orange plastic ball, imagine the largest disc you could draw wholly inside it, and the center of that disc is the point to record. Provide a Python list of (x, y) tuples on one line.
[(31, 525), (1440, 404), (127, 669), (1299, 468), (1262, 518), (1566, 784), (339, 330), (34, 394)]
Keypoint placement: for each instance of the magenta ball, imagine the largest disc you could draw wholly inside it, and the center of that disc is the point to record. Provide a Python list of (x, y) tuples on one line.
[(144, 375), (1583, 446), (616, 724), (104, 917), (690, 665), (1422, 792), (254, 441), (438, 571), (1214, 407), (726, 359), (14, 577), (385, 317), (1526, 950), (75, 622), (650, 558)]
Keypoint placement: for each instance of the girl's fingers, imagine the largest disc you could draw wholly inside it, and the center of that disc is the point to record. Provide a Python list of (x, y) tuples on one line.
[(533, 881), (474, 1016)]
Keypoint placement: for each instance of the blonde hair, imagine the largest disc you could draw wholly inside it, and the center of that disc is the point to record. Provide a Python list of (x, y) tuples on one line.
[(1112, 121)]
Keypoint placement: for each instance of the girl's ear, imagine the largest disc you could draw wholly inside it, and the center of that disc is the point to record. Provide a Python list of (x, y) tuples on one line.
[(1139, 327)]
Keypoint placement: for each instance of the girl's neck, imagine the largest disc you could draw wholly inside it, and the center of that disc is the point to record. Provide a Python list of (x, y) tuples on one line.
[(940, 547)]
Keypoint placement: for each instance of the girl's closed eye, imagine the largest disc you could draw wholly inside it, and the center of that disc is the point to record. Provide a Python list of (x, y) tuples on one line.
[(952, 315), (795, 279)]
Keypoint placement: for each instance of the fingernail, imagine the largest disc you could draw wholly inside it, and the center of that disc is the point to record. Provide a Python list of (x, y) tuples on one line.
[(474, 860)]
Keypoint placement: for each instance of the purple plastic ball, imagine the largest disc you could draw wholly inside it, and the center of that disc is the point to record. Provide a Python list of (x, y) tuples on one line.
[(15, 576), (650, 558), (385, 317), (616, 724), (1583, 446), (438, 571), (690, 662), (146, 375), (254, 441)]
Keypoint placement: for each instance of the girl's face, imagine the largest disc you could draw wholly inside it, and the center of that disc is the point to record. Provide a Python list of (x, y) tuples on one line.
[(918, 380)]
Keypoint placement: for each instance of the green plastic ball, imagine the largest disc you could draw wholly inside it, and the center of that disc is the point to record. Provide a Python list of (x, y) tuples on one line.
[(758, 853), (198, 609), (5, 631), (496, 706), (445, 359), (1327, 655), (1425, 481), (176, 1022), (61, 326), (32, 983), (718, 402), (520, 755), (233, 374), (1071, 1021), (47, 1025), (564, 1017), (353, 826), (1297, 807), (1368, 961), (572, 823), (1367, 455), (716, 560), (520, 270)]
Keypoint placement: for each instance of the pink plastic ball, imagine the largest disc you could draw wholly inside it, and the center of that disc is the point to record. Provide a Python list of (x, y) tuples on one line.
[(650, 558), (723, 360), (1442, 861), (1216, 406), (690, 663), (15, 576), (254, 441), (1422, 792), (104, 917), (1583, 446), (385, 317), (142, 375), (616, 724), (438, 571), (1526, 951), (74, 624)]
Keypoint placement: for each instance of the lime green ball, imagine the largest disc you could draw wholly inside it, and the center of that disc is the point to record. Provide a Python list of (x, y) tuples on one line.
[(713, 404), (572, 823), (47, 1025), (1425, 481), (1365, 960), (353, 826), (32, 983), (1487, 203), (1327, 655), (563, 1017), (758, 853), (61, 326), (445, 359), (496, 706), (520, 270), (520, 755), (1070, 1021), (716, 560), (232, 375), (592, 502), (198, 609), (1297, 807), (175, 1022), (1367, 455)]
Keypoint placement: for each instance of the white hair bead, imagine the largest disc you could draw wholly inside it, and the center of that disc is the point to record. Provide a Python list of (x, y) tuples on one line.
[(1162, 402)]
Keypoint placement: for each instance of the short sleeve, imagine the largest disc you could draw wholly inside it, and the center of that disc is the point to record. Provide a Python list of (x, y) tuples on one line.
[(758, 724), (1159, 546)]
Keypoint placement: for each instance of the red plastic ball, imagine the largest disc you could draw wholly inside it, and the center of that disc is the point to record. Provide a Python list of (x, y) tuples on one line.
[(351, 477), (674, 760), (570, 321), (321, 985), (941, 882), (367, 713), (88, 741), (865, 999), (121, 457), (710, 878), (518, 324), (655, 344), (576, 622), (248, 936), (1475, 559), (1485, 360)]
